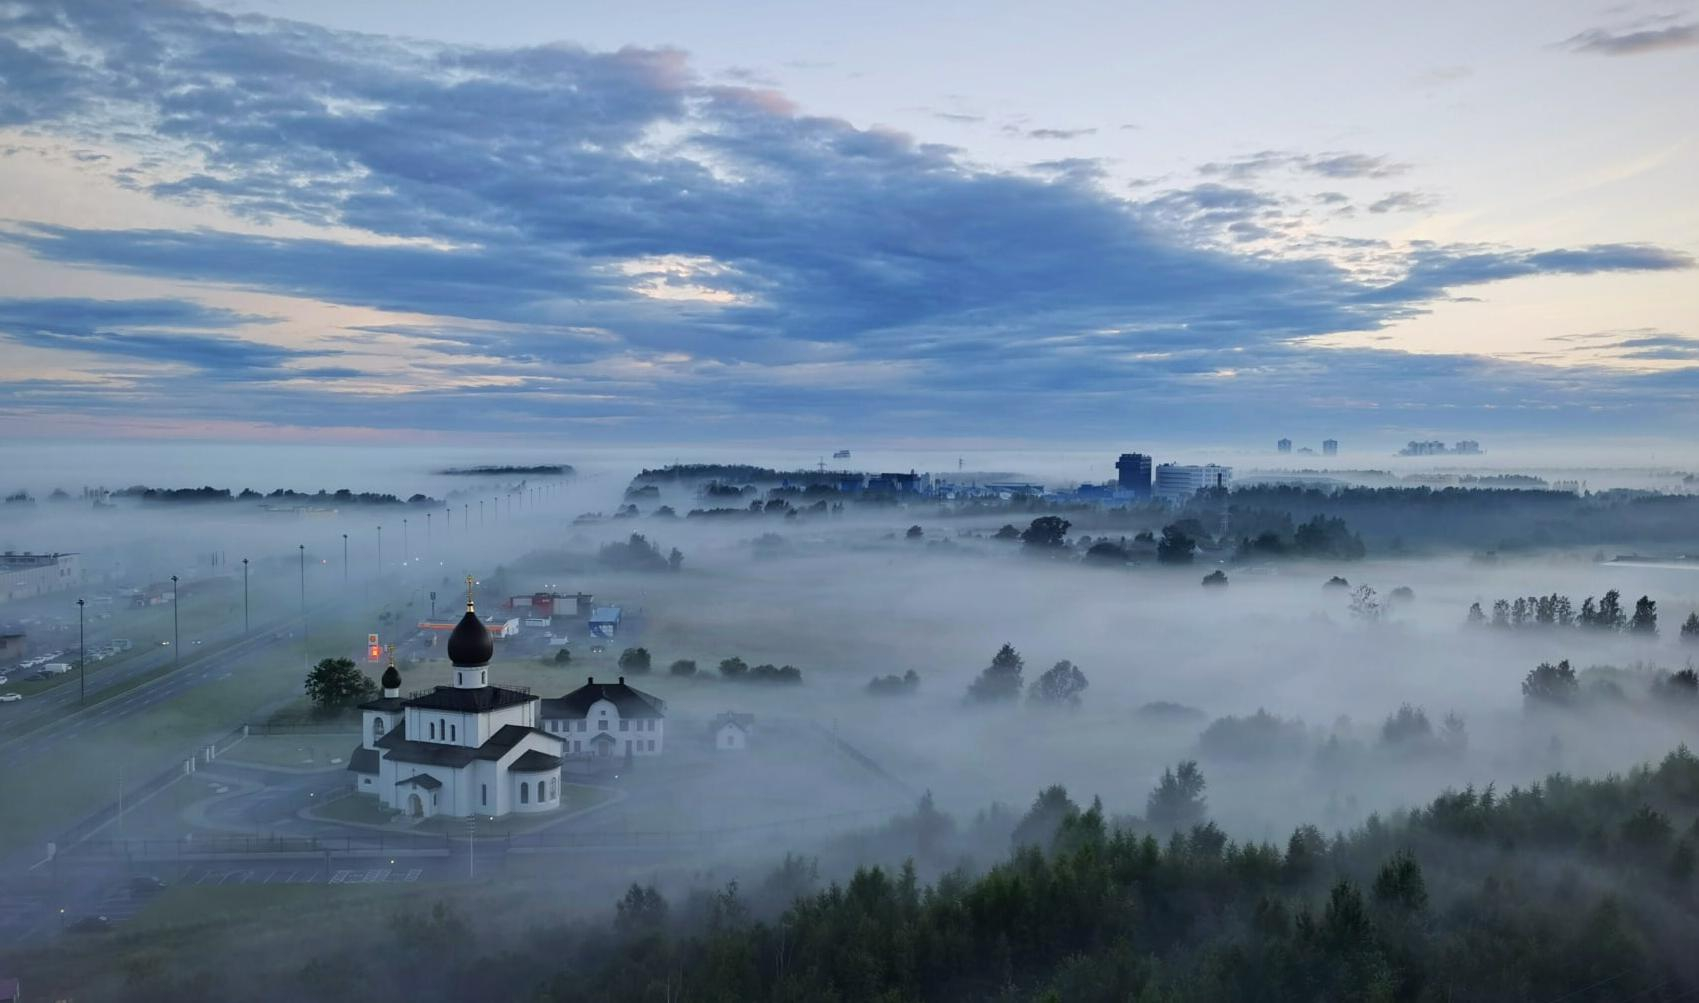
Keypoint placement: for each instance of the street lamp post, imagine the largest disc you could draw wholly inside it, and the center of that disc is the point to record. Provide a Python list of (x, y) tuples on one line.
[(404, 553), (427, 531), (303, 549), (82, 657), (244, 595), (345, 559), (380, 550), (176, 634), (480, 513)]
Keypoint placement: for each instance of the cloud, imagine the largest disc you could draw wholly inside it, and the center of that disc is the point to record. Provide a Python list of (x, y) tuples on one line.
[(156, 330), (1329, 165), (1633, 41), (565, 234), (1049, 133), (1403, 202)]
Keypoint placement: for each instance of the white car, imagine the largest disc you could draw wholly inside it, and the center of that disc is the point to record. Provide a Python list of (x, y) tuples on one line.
[(10, 697)]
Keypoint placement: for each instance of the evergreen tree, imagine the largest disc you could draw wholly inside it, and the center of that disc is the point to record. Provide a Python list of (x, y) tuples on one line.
[(1645, 622), (1001, 680), (1476, 617), (1178, 800), (1690, 629)]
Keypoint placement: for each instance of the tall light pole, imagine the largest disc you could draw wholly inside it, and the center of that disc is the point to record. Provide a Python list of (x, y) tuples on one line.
[(427, 531), (466, 515), (244, 595), (404, 552), (304, 657), (380, 550), (176, 635), (82, 657), (480, 513), (345, 559)]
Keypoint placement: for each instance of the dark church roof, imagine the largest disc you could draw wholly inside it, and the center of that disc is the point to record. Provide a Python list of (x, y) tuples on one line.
[(424, 780), (535, 762), (469, 645), (363, 760), (628, 700), (404, 750), (470, 701), (391, 678), (390, 704)]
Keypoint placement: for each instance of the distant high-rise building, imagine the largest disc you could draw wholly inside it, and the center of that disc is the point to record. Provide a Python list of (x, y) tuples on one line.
[(1330, 447), (1179, 481), (1283, 446), (1133, 474)]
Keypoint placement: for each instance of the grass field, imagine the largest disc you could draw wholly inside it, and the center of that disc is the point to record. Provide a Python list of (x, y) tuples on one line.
[(296, 752)]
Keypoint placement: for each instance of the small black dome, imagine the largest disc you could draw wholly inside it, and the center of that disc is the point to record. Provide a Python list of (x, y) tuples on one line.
[(391, 678), (469, 646)]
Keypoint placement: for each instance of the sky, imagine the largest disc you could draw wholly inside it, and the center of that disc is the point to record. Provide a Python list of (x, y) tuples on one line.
[(853, 223)]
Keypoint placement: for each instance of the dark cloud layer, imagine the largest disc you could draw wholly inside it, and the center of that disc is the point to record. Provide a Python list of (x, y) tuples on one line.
[(1634, 41), (624, 239)]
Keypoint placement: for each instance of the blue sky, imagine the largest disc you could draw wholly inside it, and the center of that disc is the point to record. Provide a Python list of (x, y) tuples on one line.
[(682, 222)]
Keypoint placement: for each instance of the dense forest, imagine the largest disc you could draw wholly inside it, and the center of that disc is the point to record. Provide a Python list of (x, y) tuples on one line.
[(1574, 890)]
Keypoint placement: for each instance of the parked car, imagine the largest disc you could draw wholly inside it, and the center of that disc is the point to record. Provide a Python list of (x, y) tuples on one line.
[(10, 697)]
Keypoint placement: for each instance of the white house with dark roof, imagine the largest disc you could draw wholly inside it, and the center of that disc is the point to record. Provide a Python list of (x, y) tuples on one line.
[(607, 719), (461, 750), (730, 731)]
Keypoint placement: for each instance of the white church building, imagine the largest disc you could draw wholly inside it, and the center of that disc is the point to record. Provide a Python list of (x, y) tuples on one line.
[(461, 750)]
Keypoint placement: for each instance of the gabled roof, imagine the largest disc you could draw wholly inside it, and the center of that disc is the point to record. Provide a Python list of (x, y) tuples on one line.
[(535, 762), (470, 701), (403, 750), (364, 760), (742, 722), (628, 700), (389, 704), (424, 780)]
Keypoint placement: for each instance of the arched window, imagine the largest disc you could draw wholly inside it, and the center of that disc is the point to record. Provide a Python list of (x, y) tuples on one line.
[(524, 793), (454, 733), (484, 793), (433, 726), (377, 728), (554, 788)]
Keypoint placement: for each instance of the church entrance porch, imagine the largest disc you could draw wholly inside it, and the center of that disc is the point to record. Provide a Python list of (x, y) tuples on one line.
[(415, 806)]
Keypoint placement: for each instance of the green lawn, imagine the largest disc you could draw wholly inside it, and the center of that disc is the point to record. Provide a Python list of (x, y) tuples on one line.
[(298, 752)]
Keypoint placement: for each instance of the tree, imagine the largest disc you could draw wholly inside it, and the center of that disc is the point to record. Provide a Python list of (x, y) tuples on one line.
[(675, 560), (1400, 885), (1610, 615), (1175, 547), (1108, 553), (642, 910), (1215, 579), (914, 533), (1178, 801), (1047, 532), (1409, 726), (1550, 685), (683, 667), (1364, 604), (634, 661), (1008, 532), (1645, 622), (1038, 827), (733, 668), (1060, 686), (563, 656), (1001, 680), (894, 685), (336, 683), (1476, 617), (1690, 629)]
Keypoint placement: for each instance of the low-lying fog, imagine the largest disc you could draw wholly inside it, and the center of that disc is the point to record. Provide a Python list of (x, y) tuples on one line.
[(847, 597)]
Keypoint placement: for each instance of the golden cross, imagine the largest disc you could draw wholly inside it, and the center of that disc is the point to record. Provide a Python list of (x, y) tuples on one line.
[(469, 606)]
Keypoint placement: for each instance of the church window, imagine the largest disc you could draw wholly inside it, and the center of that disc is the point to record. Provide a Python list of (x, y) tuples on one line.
[(582, 725), (625, 726), (454, 733), (554, 788), (524, 793), (433, 731), (484, 793), (377, 728), (604, 725)]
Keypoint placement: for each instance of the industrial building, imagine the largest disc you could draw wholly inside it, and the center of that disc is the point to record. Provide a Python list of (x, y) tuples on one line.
[(1330, 447), (24, 575)]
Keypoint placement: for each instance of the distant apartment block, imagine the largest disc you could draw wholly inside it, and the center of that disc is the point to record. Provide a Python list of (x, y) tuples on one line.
[(1283, 446), (1177, 481), (1330, 447), (1132, 474)]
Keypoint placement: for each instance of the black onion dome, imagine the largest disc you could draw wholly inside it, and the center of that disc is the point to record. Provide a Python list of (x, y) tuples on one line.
[(391, 678), (469, 646)]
